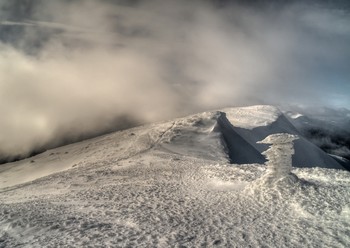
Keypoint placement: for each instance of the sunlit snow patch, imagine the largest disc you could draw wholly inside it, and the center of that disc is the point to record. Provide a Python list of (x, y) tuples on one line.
[(220, 185), (253, 116)]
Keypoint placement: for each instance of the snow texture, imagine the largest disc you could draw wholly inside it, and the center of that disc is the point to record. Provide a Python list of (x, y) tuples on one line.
[(279, 156), (253, 116), (171, 184)]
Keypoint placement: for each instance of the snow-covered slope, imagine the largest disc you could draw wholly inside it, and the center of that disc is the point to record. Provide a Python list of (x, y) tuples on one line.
[(203, 135), (327, 129), (257, 122), (192, 136), (176, 184), (253, 116)]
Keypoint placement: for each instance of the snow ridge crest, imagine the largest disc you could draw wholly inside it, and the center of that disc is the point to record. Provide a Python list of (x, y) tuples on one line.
[(253, 116)]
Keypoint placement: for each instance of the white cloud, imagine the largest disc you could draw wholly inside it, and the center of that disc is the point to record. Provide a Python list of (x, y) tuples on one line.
[(76, 66)]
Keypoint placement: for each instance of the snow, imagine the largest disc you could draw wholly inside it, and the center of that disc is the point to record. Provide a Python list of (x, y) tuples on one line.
[(296, 115), (252, 116), (293, 114), (307, 154), (279, 139), (171, 184), (278, 176)]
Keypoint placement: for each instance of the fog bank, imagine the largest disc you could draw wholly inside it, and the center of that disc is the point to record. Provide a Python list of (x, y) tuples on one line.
[(73, 69)]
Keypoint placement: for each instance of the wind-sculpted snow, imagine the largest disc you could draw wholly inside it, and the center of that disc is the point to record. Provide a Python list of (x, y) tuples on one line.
[(171, 184), (279, 156), (159, 199), (280, 153)]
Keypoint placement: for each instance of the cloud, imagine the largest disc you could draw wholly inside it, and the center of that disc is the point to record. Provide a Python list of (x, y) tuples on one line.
[(76, 68)]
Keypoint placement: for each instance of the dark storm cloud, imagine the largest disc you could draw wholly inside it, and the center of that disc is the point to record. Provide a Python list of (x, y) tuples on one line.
[(69, 68)]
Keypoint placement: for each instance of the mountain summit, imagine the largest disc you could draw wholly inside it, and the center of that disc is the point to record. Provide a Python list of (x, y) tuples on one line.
[(233, 177)]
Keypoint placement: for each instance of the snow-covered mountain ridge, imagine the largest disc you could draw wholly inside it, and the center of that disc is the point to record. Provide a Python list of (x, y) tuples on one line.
[(232, 132), (200, 180)]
